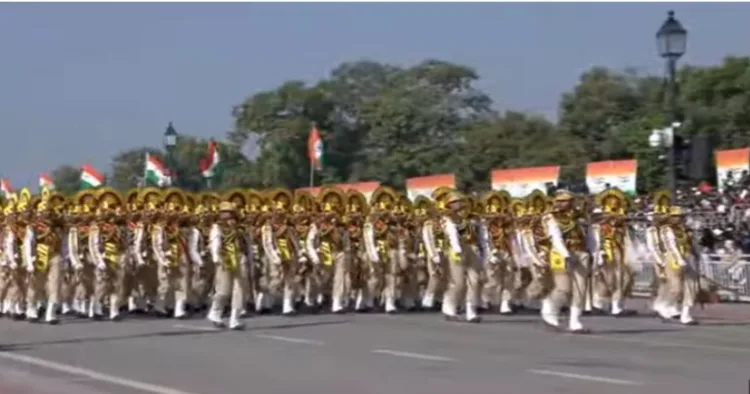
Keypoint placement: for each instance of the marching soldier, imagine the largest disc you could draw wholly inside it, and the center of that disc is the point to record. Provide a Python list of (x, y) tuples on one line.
[(381, 243), (107, 246), (657, 218), (167, 244), (205, 215), (499, 269), (357, 210), (334, 265), (280, 245), (464, 261), (43, 243), (199, 225), (228, 254), (408, 249), (568, 262), (681, 279), (255, 218), (303, 214), (612, 277), (23, 252), (424, 248), (12, 278)]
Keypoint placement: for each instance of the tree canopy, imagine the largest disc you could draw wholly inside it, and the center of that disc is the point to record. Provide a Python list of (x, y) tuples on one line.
[(387, 123)]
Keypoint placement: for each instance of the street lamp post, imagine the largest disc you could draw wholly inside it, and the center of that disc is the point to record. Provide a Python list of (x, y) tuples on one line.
[(170, 142), (671, 40)]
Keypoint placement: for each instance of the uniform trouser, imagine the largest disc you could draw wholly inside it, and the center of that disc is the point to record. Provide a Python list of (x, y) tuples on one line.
[(231, 284), (659, 288), (140, 283), (339, 279), (436, 278), (258, 281), (464, 280), (6, 282), (108, 284), (500, 282), (17, 290), (203, 283), (613, 279), (570, 283), (358, 270), (173, 284), (681, 285), (283, 279), (45, 284), (83, 282), (407, 284)]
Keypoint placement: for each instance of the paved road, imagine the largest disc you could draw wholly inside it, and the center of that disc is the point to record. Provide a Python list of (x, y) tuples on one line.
[(368, 354)]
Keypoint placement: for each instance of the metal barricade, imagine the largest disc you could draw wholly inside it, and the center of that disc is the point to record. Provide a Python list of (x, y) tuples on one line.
[(730, 275)]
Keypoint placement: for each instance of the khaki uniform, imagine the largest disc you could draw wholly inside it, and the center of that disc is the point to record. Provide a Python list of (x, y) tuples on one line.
[(228, 254)]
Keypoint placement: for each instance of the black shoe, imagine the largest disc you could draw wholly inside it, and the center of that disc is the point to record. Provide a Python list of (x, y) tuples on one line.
[(53, 322), (475, 319), (580, 331)]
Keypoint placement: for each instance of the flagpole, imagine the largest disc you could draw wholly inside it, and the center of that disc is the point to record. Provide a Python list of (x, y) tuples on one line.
[(312, 174)]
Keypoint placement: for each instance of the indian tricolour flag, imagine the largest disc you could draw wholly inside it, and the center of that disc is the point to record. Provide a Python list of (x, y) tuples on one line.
[(520, 182), (615, 173), (732, 163), (209, 165), (46, 182), (155, 173), (425, 185), (5, 187), (90, 177), (315, 148)]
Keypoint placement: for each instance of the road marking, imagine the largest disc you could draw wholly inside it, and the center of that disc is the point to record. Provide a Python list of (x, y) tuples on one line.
[(672, 344), (291, 340), (590, 378), (93, 375), (417, 356), (197, 328)]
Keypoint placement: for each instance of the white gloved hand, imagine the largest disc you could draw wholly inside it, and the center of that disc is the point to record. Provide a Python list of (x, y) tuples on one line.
[(494, 260), (101, 266), (436, 259), (30, 268)]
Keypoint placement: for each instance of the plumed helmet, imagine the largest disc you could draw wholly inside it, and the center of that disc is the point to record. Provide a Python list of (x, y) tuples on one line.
[(383, 198), (303, 202), (108, 199), (280, 199), (331, 199), (356, 202)]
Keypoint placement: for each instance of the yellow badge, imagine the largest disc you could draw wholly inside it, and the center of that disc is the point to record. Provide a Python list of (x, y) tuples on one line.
[(556, 261)]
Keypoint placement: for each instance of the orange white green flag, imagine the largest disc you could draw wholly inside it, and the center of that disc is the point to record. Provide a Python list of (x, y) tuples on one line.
[(5, 187), (731, 163), (425, 185), (90, 177), (520, 182), (619, 174), (46, 182)]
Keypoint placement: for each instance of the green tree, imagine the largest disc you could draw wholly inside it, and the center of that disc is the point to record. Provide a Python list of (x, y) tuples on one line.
[(67, 179)]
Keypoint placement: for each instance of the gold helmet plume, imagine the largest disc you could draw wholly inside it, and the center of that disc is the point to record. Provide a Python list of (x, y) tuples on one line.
[(423, 206), (613, 201), (174, 199), (356, 202), (303, 202), (255, 201), (108, 199), (152, 198), (331, 199), (536, 203), (86, 201), (280, 199), (662, 201), (238, 197), (384, 198)]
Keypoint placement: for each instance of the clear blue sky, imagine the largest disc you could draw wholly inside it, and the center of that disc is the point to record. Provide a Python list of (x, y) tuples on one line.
[(80, 82)]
